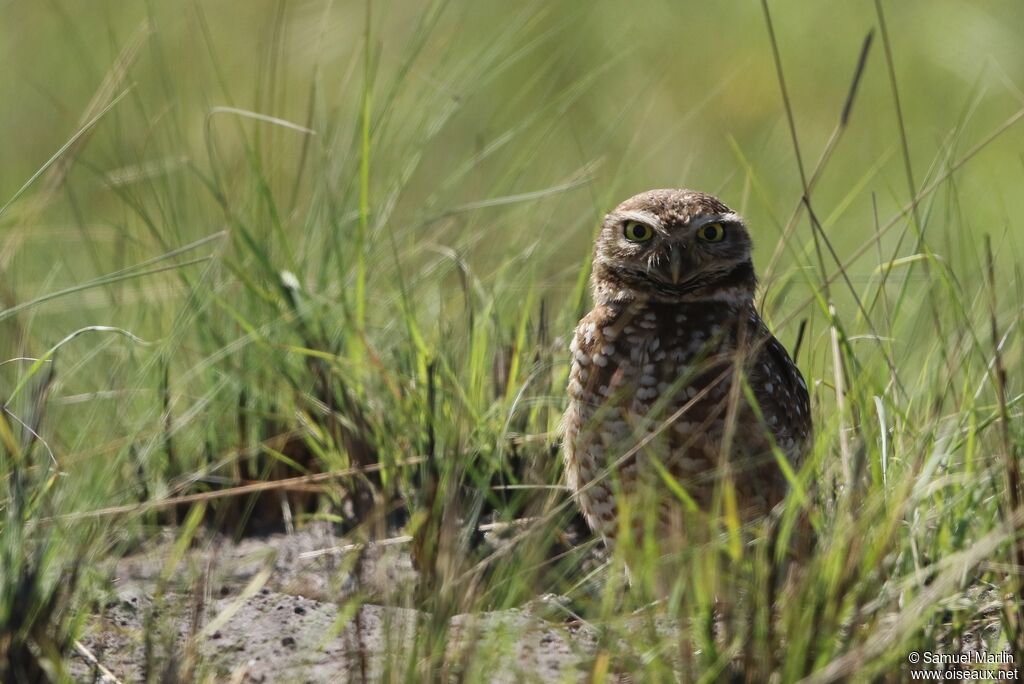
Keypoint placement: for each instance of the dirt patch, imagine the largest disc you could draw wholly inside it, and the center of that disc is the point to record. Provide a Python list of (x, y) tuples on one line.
[(283, 608)]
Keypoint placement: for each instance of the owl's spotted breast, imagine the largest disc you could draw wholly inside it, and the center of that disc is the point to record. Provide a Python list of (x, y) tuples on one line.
[(663, 375), (653, 389)]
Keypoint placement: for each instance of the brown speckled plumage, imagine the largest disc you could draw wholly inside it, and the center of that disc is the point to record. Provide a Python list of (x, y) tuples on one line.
[(654, 367)]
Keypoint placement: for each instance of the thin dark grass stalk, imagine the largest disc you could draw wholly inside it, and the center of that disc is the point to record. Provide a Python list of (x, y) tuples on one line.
[(923, 194), (826, 154), (364, 172), (794, 138), (919, 226), (908, 167), (857, 300), (1011, 465)]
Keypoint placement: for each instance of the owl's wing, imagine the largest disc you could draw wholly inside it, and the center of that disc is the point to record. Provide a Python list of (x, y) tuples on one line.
[(782, 394)]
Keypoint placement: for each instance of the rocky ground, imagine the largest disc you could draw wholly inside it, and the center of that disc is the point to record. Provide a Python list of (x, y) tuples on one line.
[(289, 608), (282, 609)]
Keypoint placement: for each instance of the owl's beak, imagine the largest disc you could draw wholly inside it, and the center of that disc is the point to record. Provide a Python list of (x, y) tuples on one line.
[(675, 264)]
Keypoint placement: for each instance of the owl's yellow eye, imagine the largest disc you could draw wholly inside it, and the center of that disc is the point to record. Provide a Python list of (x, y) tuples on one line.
[(711, 232), (637, 232)]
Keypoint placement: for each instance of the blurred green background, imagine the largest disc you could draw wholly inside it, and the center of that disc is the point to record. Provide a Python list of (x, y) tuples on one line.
[(502, 131)]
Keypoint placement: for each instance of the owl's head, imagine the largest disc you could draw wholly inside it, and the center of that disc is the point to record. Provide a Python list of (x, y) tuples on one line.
[(673, 246)]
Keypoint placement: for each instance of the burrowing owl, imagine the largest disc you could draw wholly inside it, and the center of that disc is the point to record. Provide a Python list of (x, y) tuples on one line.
[(655, 390)]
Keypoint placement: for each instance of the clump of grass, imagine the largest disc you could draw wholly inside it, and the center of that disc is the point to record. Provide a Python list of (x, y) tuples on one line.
[(40, 575)]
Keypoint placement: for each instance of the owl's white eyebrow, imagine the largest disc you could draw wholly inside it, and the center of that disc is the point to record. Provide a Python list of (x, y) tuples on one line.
[(640, 216), (730, 217)]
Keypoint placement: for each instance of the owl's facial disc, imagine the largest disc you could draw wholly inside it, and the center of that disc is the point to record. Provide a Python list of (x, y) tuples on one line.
[(641, 255)]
